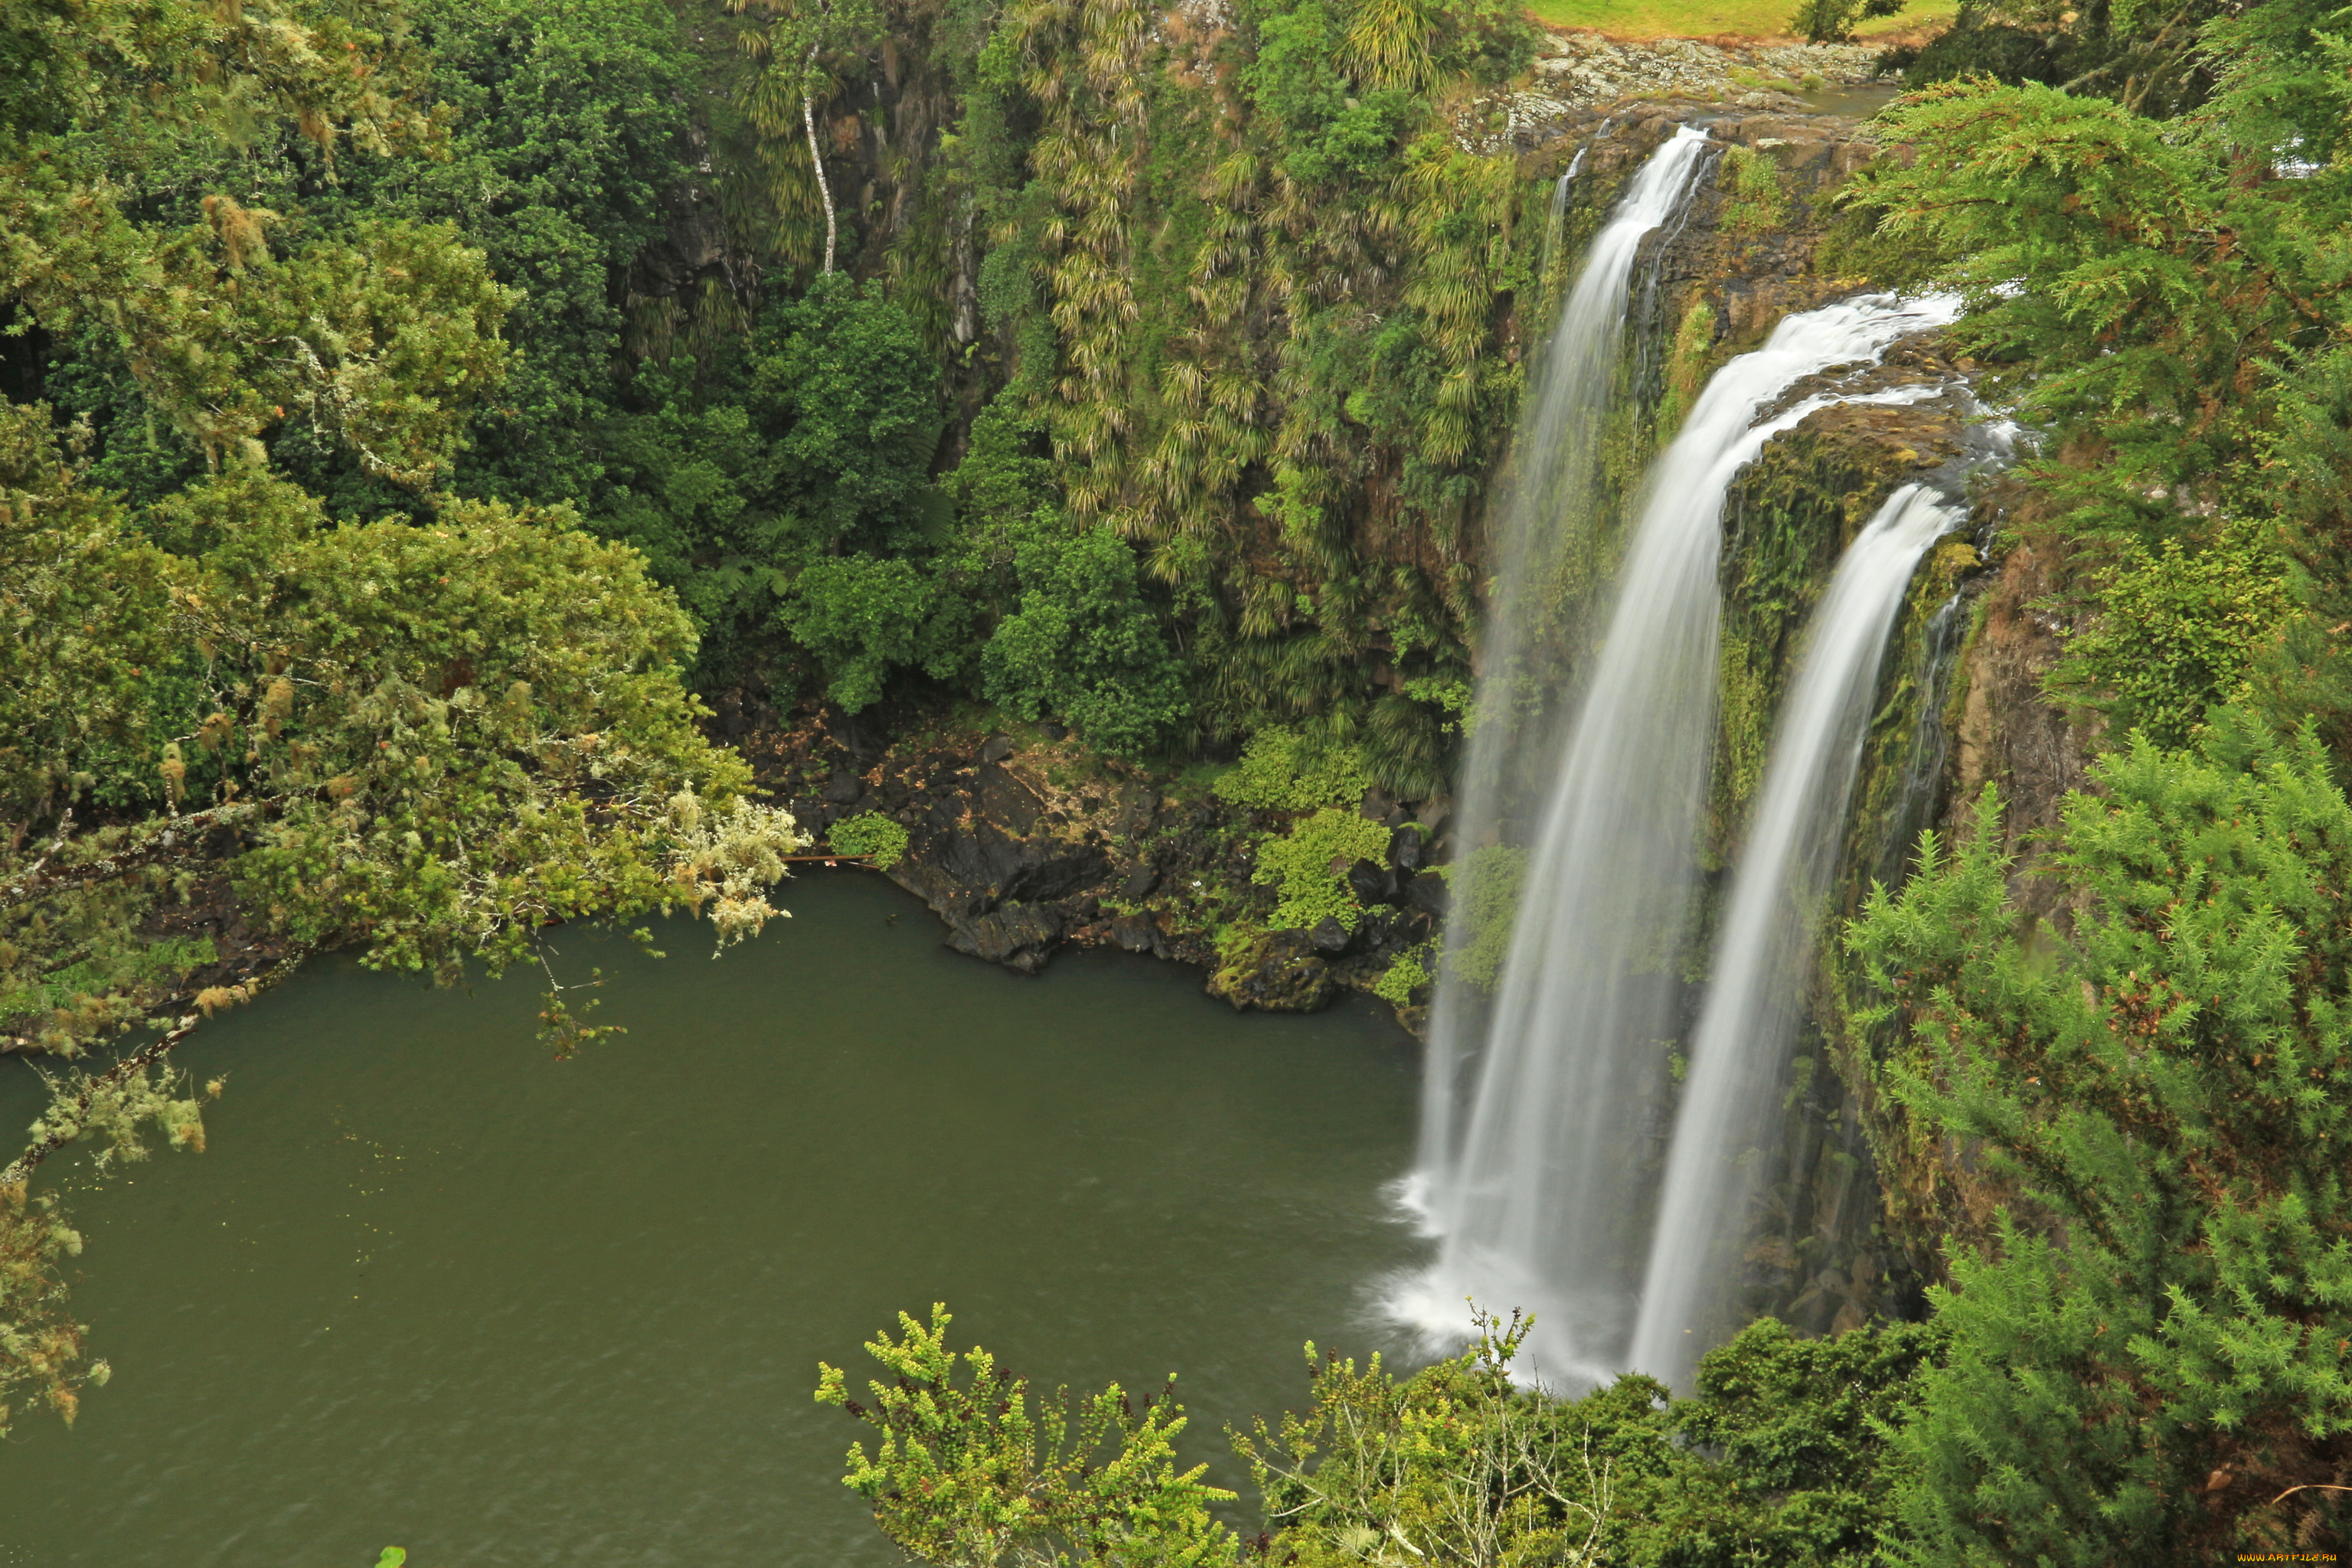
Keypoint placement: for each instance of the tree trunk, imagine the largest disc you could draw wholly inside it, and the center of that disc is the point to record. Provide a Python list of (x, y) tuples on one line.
[(816, 159)]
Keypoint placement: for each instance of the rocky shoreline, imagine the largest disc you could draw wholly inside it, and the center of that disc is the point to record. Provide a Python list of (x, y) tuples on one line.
[(1023, 843)]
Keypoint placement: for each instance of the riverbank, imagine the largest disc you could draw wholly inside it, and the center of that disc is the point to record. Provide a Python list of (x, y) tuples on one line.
[(1023, 843)]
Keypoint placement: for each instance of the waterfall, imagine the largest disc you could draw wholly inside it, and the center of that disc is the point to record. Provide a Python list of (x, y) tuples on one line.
[(1547, 496), (1538, 1196), (1555, 215), (1754, 997)]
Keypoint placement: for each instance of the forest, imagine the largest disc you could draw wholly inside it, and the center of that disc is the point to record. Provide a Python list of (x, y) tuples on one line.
[(471, 469)]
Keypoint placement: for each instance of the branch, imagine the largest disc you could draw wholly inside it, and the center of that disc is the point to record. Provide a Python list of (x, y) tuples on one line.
[(34, 883), (139, 1061)]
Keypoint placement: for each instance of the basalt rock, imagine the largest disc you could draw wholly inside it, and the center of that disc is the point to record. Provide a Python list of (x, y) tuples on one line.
[(1021, 937), (1431, 895), (1281, 972), (1406, 848), (1372, 883)]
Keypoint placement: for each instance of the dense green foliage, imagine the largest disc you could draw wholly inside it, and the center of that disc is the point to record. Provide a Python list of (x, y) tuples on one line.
[(1781, 1456), (1280, 770), (2167, 298), (427, 737), (1307, 867), (2156, 1343), (968, 1473), (411, 409), (869, 834)]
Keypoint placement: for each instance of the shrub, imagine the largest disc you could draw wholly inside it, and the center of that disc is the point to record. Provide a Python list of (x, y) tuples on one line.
[(1308, 867), (871, 834), (2150, 1348), (1485, 885), (1408, 974), (1280, 771), (1085, 644), (2177, 632)]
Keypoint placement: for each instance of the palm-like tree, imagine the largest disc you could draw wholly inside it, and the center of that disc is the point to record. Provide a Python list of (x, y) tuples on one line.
[(1388, 43)]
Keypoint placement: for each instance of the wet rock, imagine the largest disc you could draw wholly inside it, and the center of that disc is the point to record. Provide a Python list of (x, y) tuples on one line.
[(1282, 974), (1052, 731), (1372, 883), (844, 787), (1407, 850), (1431, 896), (1385, 933), (997, 749), (1021, 937), (1005, 801), (999, 869), (1139, 883), (1136, 932), (1331, 939)]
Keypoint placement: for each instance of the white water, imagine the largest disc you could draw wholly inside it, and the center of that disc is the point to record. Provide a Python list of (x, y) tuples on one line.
[(1547, 495), (1533, 1182), (1741, 1042), (1555, 215)]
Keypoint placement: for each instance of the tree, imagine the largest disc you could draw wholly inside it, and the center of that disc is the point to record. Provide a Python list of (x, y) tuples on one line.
[(1083, 645), (1457, 1465), (427, 741), (791, 45), (966, 1475), (2154, 1352), (2166, 298), (1832, 21)]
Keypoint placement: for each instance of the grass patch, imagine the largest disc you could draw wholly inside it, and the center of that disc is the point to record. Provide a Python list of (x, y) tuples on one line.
[(1634, 19)]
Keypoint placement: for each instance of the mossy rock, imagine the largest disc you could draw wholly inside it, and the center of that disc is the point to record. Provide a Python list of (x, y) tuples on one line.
[(1277, 971)]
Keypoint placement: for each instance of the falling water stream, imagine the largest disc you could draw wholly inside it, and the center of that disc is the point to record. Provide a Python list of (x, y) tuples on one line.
[(1741, 1041), (1547, 495), (1536, 1179)]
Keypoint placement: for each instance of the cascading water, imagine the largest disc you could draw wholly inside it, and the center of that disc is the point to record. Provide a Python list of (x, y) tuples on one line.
[(1741, 1042), (1548, 489), (1538, 1195)]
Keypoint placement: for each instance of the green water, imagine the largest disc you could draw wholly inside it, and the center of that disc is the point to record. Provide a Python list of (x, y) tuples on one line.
[(430, 1288)]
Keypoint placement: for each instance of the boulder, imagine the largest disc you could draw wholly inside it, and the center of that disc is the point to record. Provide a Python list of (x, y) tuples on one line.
[(1331, 939), (1136, 933), (1372, 883), (1022, 937), (1281, 973), (1430, 895), (1407, 850)]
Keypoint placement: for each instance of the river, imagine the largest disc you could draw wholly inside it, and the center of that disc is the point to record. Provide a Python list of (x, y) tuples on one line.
[(431, 1288)]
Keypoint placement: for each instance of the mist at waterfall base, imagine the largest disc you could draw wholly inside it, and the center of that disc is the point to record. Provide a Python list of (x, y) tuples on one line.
[(1542, 1108)]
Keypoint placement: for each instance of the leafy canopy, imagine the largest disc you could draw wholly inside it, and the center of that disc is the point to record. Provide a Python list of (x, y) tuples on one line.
[(2156, 1342)]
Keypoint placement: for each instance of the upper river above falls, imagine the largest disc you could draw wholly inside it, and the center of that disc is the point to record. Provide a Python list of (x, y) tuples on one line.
[(430, 1286)]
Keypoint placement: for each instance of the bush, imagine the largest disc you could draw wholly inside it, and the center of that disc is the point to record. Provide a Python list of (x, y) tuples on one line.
[(1485, 885), (1280, 771), (2153, 1341), (1085, 645), (2177, 632), (1411, 972), (861, 615), (1307, 867), (869, 834)]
